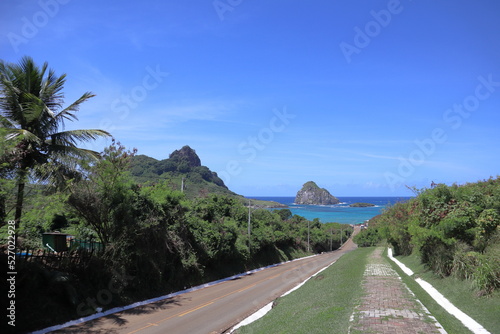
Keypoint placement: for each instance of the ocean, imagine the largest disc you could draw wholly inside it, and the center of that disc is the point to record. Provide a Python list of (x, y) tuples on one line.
[(338, 213)]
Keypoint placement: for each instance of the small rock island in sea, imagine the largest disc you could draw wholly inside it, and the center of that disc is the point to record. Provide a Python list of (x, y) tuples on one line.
[(361, 205), (311, 194)]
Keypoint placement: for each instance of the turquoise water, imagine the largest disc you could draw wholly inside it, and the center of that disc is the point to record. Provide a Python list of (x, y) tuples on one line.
[(339, 213)]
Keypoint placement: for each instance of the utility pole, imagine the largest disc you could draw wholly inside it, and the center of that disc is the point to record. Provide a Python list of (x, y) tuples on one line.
[(249, 228), (331, 239), (341, 236), (308, 247)]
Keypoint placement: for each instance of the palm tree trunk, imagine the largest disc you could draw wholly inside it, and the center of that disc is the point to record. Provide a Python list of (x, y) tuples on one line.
[(3, 211), (3, 202), (21, 181)]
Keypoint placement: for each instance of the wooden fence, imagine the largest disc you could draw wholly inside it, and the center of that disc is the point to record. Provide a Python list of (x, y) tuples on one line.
[(57, 260)]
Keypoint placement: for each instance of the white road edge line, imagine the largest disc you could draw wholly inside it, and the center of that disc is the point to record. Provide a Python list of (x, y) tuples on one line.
[(468, 322), (149, 301), (263, 311)]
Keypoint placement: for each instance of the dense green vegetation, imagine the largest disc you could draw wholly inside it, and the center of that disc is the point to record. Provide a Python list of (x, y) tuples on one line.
[(109, 206), (368, 237), (453, 229)]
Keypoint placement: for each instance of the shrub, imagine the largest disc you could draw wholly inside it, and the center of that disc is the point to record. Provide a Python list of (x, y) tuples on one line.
[(367, 238), (454, 229)]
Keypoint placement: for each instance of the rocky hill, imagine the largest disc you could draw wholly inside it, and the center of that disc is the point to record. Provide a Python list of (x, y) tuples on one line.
[(313, 195), (183, 171)]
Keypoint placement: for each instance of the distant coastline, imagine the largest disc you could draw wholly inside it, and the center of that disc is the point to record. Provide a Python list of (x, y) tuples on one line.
[(339, 213), (287, 200)]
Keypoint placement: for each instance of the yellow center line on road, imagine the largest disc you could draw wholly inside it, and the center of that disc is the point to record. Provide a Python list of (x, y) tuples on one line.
[(170, 317), (213, 301), (273, 276), (195, 309), (248, 287), (140, 329)]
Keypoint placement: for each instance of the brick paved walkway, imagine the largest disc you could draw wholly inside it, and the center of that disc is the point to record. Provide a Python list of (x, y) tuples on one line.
[(388, 306)]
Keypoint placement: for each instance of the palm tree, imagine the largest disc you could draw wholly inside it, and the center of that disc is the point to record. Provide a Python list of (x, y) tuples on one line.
[(31, 112)]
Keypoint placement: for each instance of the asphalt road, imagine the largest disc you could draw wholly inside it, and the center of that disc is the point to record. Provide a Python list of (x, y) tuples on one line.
[(214, 309)]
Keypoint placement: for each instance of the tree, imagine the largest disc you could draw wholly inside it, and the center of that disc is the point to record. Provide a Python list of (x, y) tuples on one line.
[(104, 199), (31, 105), (6, 176), (285, 214)]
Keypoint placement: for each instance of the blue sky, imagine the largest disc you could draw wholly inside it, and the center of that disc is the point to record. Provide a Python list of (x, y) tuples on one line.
[(363, 97)]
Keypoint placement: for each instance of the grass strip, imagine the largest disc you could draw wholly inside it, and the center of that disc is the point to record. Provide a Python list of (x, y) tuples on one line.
[(323, 305), (483, 309)]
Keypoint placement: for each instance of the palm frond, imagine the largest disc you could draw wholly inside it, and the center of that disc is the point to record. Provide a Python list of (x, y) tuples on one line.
[(5, 122), (51, 90), (68, 112), (23, 134), (70, 153), (32, 107), (57, 173), (30, 74), (9, 98), (72, 137)]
